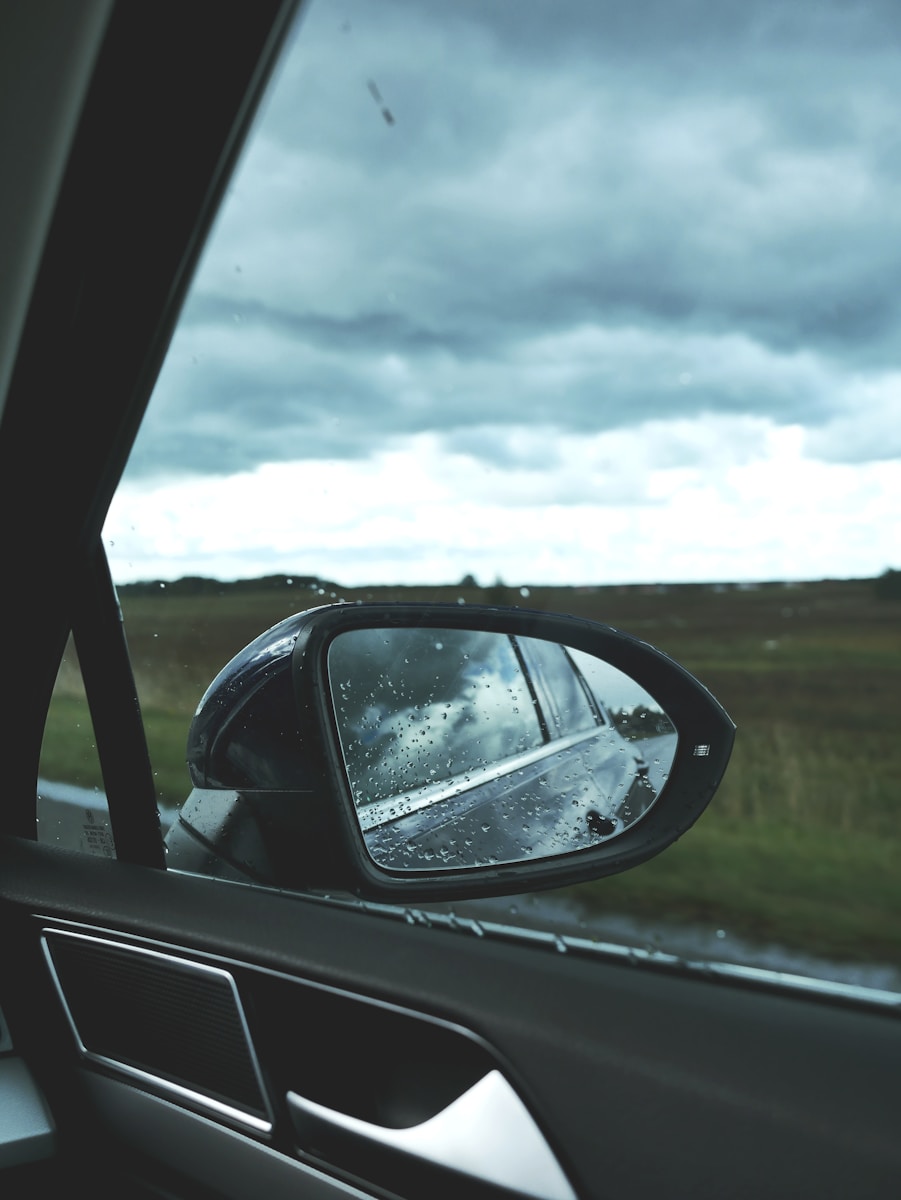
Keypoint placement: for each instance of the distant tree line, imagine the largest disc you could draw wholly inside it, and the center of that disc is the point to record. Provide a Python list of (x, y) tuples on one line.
[(196, 585), (642, 721), (888, 585)]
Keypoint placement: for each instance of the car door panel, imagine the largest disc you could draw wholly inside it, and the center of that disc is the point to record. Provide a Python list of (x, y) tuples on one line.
[(387, 1095), (596, 1050)]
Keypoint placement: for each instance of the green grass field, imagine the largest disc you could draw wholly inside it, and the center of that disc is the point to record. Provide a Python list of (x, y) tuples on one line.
[(802, 844)]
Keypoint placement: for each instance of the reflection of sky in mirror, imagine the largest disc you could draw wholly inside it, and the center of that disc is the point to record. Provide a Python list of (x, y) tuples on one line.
[(609, 294), (615, 690), (417, 706)]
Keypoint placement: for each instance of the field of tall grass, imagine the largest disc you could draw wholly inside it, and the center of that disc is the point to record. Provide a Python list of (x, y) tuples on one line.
[(801, 845)]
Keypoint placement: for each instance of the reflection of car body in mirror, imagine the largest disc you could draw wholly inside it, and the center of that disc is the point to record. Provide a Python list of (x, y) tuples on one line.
[(427, 751), (494, 748)]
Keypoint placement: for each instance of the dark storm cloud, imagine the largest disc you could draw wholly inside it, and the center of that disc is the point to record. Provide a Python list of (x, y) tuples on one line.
[(360, 332), (584, 216)]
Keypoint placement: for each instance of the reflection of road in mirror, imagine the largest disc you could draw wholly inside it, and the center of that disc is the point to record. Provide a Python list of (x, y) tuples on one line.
[(567, 800), (466, 749)]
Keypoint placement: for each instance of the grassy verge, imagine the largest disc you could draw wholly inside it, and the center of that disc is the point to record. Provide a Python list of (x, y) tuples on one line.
[(811, 889), (70, 755)]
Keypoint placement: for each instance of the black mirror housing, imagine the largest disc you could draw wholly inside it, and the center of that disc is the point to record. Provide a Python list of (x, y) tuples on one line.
[(431, 752)]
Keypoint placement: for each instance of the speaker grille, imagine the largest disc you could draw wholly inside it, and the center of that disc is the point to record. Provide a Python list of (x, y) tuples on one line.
[(179, 1022)]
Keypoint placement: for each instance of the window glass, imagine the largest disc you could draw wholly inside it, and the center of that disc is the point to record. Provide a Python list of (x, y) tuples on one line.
[(71, 805), (565, 700), (621, 700), (422, 707), (585, 307)]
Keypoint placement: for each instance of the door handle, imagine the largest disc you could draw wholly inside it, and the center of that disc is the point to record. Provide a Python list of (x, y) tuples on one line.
[(487, 1133)]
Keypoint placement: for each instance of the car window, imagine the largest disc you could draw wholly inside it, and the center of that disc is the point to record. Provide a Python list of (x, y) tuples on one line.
[(587, 308), (71, 804), (569, 709), (620, 701), (423, 710)]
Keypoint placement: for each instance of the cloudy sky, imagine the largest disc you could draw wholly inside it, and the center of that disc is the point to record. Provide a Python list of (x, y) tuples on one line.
[(556, 291)]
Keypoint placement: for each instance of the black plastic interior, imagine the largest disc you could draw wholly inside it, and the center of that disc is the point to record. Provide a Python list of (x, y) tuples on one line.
[(645, 1084)]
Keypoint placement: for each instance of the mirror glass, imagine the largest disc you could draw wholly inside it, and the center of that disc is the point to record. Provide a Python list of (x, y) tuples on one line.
[(470, 749)]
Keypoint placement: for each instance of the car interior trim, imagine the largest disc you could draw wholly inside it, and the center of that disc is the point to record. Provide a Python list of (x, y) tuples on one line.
[(760, 978), (487, 1132), (524, 1007), (199, 1148), (846, 995), (194, 1096)]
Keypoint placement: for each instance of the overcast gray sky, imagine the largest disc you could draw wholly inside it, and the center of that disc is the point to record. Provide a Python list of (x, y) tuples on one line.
[(556, 291)]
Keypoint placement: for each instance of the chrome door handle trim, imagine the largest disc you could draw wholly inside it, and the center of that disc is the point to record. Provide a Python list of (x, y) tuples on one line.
[(487, 1132)]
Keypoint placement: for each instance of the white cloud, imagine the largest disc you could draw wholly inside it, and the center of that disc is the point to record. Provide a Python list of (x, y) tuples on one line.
[(749, 506)]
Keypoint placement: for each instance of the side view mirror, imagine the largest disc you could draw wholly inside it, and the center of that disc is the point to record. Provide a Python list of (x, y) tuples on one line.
[(423, 752)]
